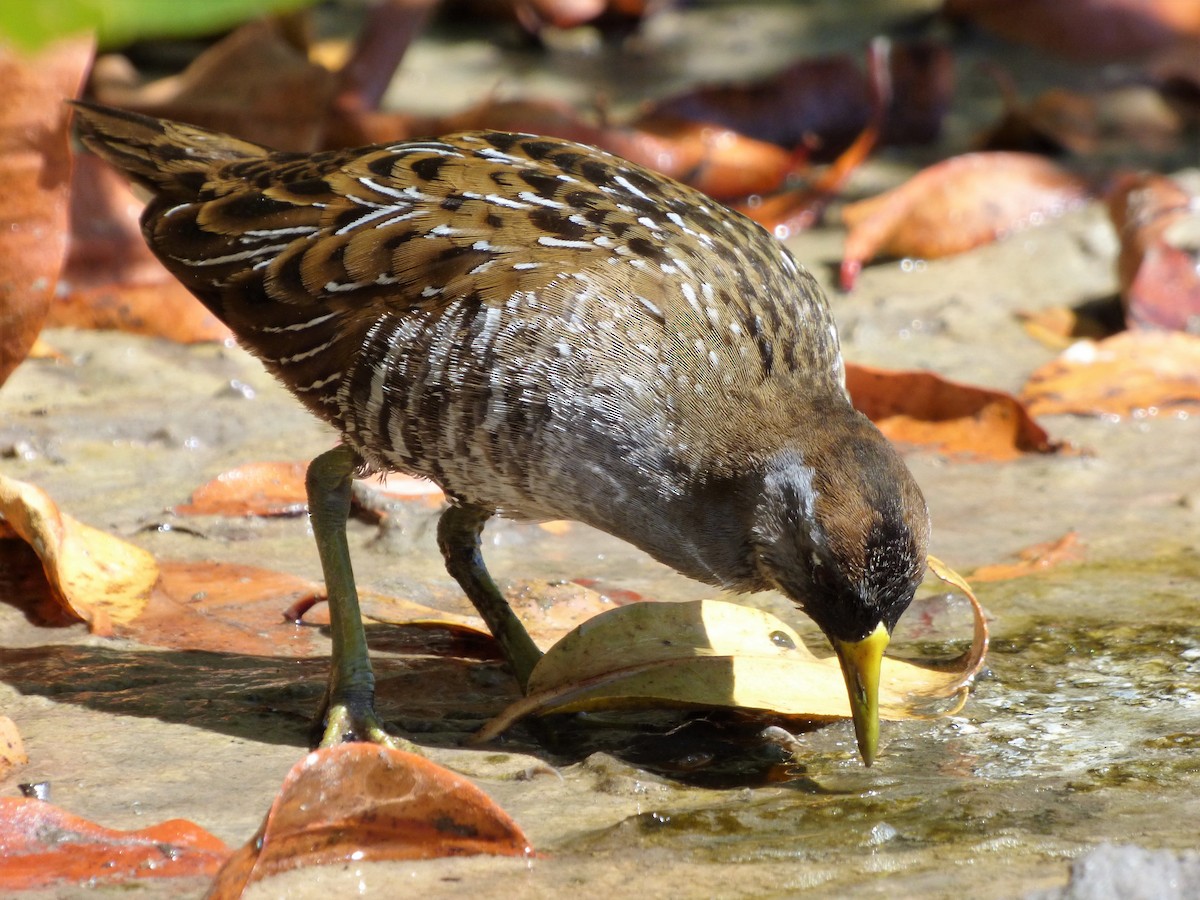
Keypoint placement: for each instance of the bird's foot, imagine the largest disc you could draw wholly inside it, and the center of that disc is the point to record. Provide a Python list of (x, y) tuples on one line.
[(348, 720)]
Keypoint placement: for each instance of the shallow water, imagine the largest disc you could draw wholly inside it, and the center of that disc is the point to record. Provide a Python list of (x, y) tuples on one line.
[(1085, 728)]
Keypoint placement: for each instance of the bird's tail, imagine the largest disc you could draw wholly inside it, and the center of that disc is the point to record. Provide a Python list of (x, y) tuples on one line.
[(168, 158)]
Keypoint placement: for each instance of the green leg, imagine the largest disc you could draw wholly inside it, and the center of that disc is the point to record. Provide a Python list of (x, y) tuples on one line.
[(458, 536), (348, 711)]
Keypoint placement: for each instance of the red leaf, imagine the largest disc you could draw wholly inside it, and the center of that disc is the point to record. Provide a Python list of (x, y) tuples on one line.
[(1091, 30), (35, 167), (42, 845), (1160, 285), (364, 802)]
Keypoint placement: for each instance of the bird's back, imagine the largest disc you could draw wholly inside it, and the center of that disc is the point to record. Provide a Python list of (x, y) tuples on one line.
[(532, 323)]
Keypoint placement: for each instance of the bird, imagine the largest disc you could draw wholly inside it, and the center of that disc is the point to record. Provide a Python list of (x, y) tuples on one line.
[(547, 332)]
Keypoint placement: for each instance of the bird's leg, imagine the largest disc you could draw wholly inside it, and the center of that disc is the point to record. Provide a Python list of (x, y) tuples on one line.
[(348, 710), (458, 536)]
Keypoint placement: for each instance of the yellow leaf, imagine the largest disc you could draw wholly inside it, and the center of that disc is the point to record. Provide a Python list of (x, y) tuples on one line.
[(710, 653), (94, 576)]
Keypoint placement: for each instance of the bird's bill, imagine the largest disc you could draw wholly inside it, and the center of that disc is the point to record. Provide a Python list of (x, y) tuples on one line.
[(861, 662)]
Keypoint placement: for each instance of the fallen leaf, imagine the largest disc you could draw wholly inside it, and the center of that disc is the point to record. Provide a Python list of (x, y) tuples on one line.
[(12, 749), (255, 489), (1135, 373), (1058, 327), (367, 803), (35, 168), (224, 608), (45, 846), (825, 102), (278, 489), (111, 279), (924, 409), (1085, 30), (713, 158), (253, 83), (1156, 219), (955, 205), (709, 653), (96, 577), (1037, 558)]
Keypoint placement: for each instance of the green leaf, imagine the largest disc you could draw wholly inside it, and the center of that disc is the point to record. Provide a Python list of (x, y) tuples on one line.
[(30, 24)]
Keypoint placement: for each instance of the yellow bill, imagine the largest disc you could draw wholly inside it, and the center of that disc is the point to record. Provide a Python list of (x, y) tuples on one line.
[(861, 663)]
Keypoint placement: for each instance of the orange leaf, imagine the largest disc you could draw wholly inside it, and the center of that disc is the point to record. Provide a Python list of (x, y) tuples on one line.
[(955, 205), (1130, 374), (711, 158), (278, 489), (44, 845), (35, 167), (924, 409), (1159, 282), (1033, 559), (364, 802), (224, 608), (255, 489)]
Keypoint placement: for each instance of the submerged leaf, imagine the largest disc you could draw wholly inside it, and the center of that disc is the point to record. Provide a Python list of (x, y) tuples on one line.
[(1036, 558), (363, 802), (709, 653)]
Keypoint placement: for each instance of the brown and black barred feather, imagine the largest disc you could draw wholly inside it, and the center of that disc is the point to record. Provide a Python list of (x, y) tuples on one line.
[(540, 327)]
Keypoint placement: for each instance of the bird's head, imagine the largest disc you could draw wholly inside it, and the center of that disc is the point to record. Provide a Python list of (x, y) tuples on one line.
[(842, 529)]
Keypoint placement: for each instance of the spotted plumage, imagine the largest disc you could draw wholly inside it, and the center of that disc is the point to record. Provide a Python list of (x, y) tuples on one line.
[(548, 331)]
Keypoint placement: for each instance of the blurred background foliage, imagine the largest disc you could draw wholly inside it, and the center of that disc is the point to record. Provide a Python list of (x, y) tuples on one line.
[(30, 24)]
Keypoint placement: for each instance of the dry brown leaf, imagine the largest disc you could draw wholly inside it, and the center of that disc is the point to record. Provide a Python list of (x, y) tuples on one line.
[(1134, 373), (97, 578), (363, 802), (825, 103), (955, 205), (924, 409), (44, 846), (709, 654), (1037, 558), (253, 83), (1160, 285), (35, 168)]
